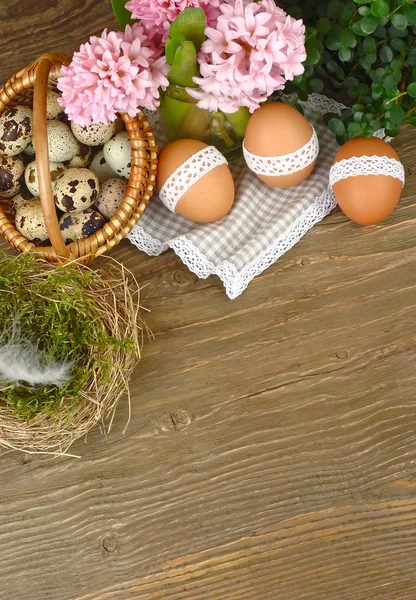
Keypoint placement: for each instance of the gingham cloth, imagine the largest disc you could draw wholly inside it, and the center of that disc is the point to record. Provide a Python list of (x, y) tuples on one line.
[(264, 222)]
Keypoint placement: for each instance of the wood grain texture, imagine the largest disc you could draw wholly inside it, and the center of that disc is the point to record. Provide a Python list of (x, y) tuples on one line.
[(272, 448)]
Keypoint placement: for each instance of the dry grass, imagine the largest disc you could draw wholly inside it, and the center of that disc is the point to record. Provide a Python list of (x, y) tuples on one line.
[(114, 295)]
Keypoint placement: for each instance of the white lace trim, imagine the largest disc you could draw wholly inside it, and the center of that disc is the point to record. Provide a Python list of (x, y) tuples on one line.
[(286, 164), (188, 173), (366, 165)]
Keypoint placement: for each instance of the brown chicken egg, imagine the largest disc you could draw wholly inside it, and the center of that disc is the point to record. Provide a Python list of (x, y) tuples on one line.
[(194, 181), (280, 146), (367, 179)]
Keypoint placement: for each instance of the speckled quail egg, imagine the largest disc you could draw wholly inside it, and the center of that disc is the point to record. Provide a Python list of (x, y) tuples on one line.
[(83, 156), (117, 153), (30, 222), (53, 109), (57, 169), (94, 134), (20, 199), (11, 175), (101, 168), (30, 149), (16, 125), (62, 145), (76, 190), (78, 226), (111, 194)]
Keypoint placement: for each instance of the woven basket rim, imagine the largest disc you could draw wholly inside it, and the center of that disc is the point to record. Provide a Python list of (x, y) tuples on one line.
[(139, 186)]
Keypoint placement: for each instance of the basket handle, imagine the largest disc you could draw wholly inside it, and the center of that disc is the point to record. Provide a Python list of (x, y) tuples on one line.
[(40, 136)]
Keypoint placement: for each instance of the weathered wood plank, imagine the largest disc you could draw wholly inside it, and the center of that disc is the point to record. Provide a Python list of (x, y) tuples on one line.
[(271, 452)]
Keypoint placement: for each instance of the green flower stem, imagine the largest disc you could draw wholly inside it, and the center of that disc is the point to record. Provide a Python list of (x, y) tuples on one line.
[(218, 128), (239, 120), (396, 97)]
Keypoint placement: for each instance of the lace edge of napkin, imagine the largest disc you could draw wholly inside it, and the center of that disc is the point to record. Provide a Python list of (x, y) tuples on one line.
[(234, 281)]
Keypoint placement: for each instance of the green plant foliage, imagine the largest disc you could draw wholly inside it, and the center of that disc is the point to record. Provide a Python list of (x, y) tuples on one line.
[(52, 310), (364, 50)]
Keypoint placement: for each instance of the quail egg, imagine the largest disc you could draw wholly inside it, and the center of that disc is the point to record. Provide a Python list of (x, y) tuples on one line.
[(62, 145), (20, 199), (82, 158), (101, 168), (16, 124), (11, 175), (76, 190), (117, 153), (57, 169), (53, 109), (30, 222), (78, 226), (111, 195), (29, 150), (94, 134)]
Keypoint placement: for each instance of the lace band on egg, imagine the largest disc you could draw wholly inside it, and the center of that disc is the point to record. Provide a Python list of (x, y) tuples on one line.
[(287, 164), (366, 165), (193, 169)]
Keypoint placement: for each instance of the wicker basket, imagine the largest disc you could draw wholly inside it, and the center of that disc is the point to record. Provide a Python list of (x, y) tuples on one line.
[(31, 85)]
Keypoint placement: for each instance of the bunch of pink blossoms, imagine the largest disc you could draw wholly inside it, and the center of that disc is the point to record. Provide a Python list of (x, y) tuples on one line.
[(111, 74), (156, 16), (250, 53)]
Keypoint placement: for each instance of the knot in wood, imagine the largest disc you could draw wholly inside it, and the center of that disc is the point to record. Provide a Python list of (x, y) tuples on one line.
[(342, 354), (184, 277), (177, 420), (110, 544)]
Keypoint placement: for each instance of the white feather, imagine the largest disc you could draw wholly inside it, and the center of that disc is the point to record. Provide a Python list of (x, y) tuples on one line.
[(21, 361)]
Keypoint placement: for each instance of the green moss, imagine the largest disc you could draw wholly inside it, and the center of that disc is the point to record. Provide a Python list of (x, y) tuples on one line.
[(51, 307)]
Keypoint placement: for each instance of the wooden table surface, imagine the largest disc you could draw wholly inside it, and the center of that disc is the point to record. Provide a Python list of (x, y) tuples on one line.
[(272, 449)]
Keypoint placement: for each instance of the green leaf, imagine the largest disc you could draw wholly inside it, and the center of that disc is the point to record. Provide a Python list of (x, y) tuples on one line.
[(190, 25), (336, 126), (409, 11), (315, 43), (358, 116), (398, 44), (323, 25), (369, 44), (356, 28), (391, 129), (411, 59), (369, 24), (171, 46), (185, 65), (333, 39), (379, 8), (386, 54), (328, 116), (344, 54), (332, 66), (122, 15), (315, 85), (363, 89), (354, 128), (396, 64), (313, 57), (397, 114), (380, 32), (411, 121), (357, 108), (389, 82), (351, 81), (347, 38), (399, 21), (360, 1), (411, 89), (364, 11), (397, 33), (346, 16), (334, 9)]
